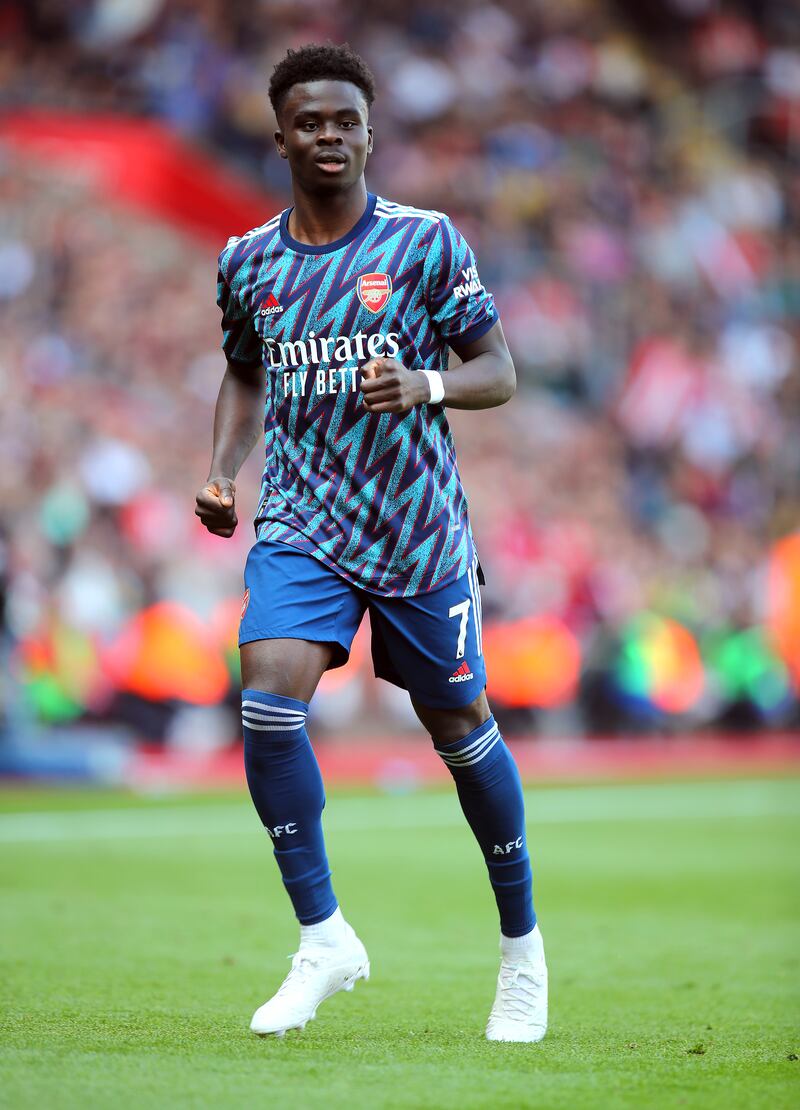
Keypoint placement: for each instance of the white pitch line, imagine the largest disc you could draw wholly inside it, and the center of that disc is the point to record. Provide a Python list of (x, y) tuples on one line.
[(695, 801)]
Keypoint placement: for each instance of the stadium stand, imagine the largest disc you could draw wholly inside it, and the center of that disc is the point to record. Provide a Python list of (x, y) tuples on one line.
[(634, 506)]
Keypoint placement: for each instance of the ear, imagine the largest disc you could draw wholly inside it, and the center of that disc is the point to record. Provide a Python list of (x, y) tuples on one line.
[(369, 140), (280, 144)]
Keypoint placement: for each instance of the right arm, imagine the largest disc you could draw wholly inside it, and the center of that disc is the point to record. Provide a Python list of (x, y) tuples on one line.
[(238, 424)]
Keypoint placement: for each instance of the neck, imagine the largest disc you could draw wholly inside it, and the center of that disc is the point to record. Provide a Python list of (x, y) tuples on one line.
[(319, 219)]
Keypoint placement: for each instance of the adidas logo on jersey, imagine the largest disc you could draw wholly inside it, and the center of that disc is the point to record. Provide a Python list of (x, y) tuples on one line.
[(463, 674), (271, 306)]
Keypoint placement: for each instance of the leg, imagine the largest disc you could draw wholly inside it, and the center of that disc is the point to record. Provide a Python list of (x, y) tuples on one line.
[(431, 644), (291, 668), (298, 619), (447, 726), (490, 792), (279, 678)]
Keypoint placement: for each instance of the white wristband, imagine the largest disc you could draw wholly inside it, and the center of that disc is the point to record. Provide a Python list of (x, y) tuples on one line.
[(436, 385)]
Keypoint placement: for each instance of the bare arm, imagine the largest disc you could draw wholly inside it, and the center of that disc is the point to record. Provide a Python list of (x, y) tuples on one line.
[(485, 379), (238, 423)]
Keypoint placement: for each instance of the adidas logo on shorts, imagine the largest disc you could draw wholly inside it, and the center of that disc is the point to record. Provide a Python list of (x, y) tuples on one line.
[(463, 674)]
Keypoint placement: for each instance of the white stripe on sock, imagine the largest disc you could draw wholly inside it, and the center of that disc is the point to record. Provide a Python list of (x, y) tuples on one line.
[(455, 758), (266, 707), (454, 761), (283, 727), (491, 726), (272, 716), (254, 722), (467, 755), (278, 722)]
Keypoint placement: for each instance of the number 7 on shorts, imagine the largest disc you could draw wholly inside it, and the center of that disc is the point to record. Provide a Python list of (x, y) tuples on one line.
[(461, 610)]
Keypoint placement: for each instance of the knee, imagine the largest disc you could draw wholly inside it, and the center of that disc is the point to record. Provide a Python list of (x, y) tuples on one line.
[(287, 668), (446, 726), (468, 717), (267, 679)]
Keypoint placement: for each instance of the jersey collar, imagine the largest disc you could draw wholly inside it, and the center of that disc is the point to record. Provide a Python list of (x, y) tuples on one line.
[(337, 244)]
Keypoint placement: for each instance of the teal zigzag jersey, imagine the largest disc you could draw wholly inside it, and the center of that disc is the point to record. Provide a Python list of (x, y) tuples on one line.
[(376, 496)]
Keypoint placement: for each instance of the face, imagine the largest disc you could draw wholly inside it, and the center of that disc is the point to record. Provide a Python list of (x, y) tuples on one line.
[(324, 134)]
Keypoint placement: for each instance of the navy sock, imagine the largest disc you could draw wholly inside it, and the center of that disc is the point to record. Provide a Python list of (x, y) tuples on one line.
[(490, 792), (286, 787)]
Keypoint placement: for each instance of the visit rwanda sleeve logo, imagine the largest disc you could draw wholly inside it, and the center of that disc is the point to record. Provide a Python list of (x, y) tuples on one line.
[(374, 290)]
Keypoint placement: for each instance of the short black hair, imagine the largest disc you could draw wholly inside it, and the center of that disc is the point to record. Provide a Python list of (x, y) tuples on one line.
[(320, 63)]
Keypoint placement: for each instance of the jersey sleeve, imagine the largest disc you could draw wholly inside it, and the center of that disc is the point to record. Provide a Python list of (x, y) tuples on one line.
[(240, 341), (456, 299)]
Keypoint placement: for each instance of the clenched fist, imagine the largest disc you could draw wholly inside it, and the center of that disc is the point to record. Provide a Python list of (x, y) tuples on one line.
[(387, 386), (216, 506)]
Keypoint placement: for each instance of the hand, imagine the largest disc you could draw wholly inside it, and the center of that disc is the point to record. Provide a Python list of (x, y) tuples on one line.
[(216, 506), (387, 386)]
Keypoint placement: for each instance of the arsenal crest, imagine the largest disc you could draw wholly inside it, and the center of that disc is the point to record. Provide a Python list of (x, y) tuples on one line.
[(374, 290)]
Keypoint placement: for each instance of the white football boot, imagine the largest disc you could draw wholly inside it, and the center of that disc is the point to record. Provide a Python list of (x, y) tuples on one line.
[(318, 971), (520, 1005)]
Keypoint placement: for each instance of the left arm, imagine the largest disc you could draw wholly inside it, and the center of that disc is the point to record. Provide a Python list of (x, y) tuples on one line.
[(485, 379)]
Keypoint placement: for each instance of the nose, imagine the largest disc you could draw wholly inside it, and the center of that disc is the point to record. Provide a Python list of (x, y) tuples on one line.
[(329, 135)]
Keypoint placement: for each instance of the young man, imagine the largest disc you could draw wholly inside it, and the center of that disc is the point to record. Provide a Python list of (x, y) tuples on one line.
[(341, 310)]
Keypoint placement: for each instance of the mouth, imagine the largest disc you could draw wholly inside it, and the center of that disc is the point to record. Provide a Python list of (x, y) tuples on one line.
[(331, 163)]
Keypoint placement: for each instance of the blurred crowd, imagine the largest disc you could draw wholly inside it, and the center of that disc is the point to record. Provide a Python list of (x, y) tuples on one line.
[(628, 177)]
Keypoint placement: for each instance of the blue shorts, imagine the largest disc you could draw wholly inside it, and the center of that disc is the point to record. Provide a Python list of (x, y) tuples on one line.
[(429, 645)]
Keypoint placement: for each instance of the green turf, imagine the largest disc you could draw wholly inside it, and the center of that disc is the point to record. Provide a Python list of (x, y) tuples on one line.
[(137, 938)]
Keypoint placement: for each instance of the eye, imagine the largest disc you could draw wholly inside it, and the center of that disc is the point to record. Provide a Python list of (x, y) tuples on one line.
[(309, 125), (348, 123)]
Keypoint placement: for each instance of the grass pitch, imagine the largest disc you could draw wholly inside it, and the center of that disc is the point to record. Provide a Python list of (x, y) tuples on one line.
[(139, 935)]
